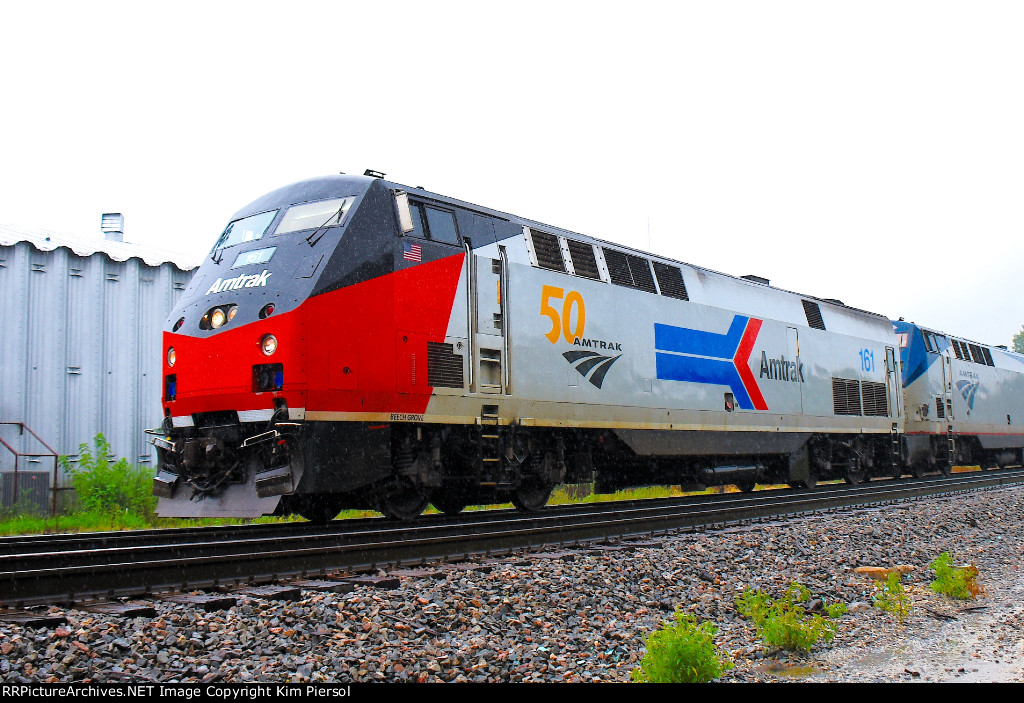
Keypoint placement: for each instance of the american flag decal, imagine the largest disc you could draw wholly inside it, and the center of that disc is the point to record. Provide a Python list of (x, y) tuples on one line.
[(411, 251)]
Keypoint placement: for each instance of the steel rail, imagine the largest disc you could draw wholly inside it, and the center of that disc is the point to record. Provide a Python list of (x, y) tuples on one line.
[(92, 541), (201, 562)]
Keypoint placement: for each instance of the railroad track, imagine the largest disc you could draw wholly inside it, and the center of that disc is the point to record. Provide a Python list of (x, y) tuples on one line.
[(75, 568)]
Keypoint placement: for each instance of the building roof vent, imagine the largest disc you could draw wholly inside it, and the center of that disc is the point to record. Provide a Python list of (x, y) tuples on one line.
[(112, 224)]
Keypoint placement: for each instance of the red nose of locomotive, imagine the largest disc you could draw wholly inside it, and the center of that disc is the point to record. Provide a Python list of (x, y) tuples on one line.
[(234, 350), (250, 366)]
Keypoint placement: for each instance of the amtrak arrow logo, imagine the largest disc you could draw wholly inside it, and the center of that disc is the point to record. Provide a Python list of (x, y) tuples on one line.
[(696, 356), (592, 363), (967, 390)]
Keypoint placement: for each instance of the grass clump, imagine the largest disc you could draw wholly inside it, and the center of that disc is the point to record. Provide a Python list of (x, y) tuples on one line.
[(104, 488), (954, 581), (574, 494), (892, 597), (682, 652), (783, 623)]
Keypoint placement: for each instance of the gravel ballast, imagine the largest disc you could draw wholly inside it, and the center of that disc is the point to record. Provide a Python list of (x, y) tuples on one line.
[(581, 615)]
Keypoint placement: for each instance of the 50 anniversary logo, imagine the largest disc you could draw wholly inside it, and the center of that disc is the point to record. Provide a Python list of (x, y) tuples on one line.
[(592, 365)]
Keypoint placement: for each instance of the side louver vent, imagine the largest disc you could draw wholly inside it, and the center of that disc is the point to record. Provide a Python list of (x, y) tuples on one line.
[(976, 354), (670, 281), (549, 255), (988, 356), (876, 399), (583, 259), (813, 313), (618, 268), (444, 366), (641, 270), (629, 270), (846, 396), (940, 409)]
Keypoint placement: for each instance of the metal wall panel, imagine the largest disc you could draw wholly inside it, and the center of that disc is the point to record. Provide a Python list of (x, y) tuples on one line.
[(80, 344)]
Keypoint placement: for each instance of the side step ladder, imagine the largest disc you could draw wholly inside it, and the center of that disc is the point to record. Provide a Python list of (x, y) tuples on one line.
[(896, 453), (489, 443)]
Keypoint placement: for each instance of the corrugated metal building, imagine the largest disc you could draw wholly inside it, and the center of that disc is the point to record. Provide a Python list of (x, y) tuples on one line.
[(80, 329)]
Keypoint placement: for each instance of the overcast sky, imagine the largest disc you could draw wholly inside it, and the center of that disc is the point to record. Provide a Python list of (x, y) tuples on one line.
[(866, 151)]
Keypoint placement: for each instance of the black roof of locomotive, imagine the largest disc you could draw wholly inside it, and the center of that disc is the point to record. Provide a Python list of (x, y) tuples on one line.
[(324, 187)]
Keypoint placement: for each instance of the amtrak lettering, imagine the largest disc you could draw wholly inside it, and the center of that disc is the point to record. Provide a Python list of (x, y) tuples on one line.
[(243, 281), (781, 370), (597, 344)]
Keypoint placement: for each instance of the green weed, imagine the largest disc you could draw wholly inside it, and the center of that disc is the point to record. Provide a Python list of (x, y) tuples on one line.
[(682, 652), (892, 597), (104, 488), (835, 610), (954, 581), (782, 623), (575, 494)]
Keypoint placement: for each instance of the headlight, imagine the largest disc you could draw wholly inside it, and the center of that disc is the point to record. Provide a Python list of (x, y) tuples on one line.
[(171, 356), (232, 311), (217, 318), (268, 344)]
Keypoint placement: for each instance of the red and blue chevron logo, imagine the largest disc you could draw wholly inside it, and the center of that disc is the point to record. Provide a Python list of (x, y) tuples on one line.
[(697, 356)]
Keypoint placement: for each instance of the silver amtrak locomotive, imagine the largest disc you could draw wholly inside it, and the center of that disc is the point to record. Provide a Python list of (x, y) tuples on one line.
[(965, 401), (370, 345)]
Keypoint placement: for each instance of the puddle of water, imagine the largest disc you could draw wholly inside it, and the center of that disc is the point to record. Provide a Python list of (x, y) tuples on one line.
[(789, 670), (879, 658), (943, 661)]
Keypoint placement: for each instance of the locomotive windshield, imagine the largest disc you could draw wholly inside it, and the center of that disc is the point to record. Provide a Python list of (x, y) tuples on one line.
[(323, 213), (246, 229)]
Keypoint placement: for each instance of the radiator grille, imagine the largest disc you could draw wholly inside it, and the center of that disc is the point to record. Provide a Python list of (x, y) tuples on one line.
[(670, 281), (583, 259), (444, 366), (846, 396), (813, 313), (940, 408), (876, 399), (549, 255)]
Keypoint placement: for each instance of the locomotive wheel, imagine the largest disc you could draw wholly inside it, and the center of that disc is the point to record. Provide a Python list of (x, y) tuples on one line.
[(404, 504), (854, 473), (946, 468), (531, 496), (449, 503), (746, 486), (319, 510)]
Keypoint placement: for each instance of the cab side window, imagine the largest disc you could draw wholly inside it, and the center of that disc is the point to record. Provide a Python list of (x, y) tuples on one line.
[(441, 225), (433, 223)]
